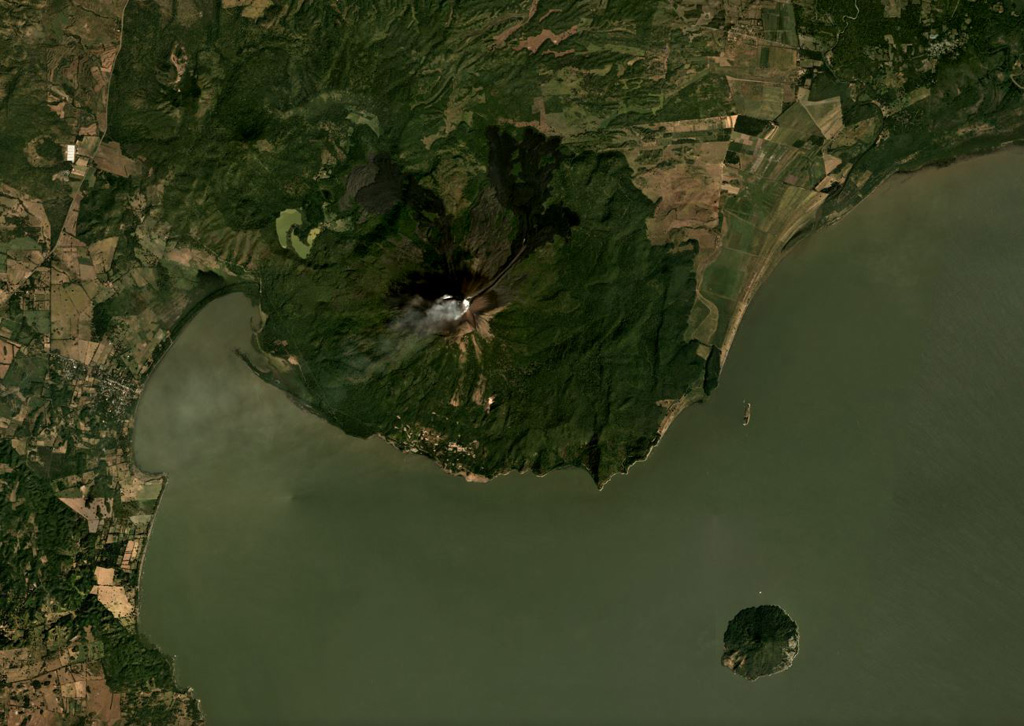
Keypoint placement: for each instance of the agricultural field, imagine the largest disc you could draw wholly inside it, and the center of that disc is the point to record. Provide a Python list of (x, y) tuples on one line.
[(510, 235)]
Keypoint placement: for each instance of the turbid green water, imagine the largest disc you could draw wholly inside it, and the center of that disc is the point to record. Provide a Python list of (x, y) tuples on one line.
[(301, 576)]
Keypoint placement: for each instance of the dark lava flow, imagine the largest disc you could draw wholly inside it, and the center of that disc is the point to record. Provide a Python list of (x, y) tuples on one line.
[(451, 288)]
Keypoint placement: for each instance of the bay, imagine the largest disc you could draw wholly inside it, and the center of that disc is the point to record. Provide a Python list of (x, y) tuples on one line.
[(303, 576)]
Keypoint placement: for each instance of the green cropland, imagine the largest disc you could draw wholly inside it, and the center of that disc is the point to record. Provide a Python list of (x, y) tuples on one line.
[(508, 235)]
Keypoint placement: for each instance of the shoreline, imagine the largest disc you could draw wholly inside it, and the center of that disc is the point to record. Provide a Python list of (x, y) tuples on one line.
[(827, 219), (251, 290), (159, 354), (898, 176)]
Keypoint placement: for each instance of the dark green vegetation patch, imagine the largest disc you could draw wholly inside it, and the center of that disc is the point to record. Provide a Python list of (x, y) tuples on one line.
[(419, 157), (577, 328), (760, 641)]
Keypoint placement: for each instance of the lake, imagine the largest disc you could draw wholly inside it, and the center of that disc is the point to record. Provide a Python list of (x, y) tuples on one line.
[(303, 576)]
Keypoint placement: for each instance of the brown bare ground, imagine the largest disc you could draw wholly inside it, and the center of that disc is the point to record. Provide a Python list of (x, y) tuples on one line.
[(534, 43), (501, 38)]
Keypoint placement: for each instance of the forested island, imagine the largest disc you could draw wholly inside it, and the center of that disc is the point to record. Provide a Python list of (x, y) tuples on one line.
[(760, 641)]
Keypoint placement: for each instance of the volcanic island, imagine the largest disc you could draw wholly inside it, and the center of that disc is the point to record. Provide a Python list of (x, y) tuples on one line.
[(760, 641)]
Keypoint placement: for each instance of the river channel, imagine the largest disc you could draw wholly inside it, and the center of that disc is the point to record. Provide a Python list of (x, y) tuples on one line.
[(299, 575)]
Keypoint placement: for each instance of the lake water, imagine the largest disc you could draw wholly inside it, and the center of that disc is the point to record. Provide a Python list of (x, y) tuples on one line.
[(302, 576)]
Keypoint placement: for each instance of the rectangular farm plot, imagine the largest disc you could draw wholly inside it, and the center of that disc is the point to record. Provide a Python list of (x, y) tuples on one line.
[(726, 276), (758, 98), (740, 234), (777, 57), (780, 24), (794, 126), (726, 308)]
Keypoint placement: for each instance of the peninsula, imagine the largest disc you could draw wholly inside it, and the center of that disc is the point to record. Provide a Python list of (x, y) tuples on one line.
[(506, 235)]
